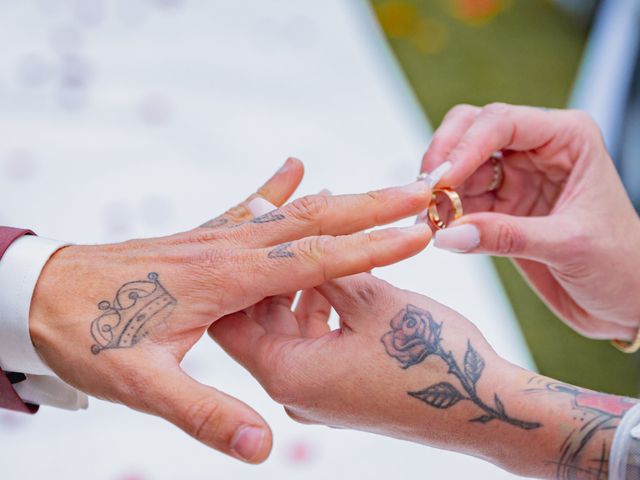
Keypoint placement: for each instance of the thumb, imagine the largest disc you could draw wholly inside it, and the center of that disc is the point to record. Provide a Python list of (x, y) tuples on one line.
[(210, 416), (533, 238)]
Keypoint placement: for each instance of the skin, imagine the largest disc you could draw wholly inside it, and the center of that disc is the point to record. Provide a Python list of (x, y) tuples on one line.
[(350, 378), (225, 266), (561, 213)]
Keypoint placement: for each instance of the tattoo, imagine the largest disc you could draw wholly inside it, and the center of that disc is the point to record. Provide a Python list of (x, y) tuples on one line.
[(216, 222), (415, 336), (269, 217), (596, 413), (126, 321), (281, 251)]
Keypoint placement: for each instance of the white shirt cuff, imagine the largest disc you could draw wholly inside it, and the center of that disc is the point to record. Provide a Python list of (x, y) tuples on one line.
[(20, 268)]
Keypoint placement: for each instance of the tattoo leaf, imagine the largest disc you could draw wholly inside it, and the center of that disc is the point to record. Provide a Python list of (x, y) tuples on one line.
[(483, 419), (473, 364), (281, 251), (268, 217), (499, 404), (441, 395)]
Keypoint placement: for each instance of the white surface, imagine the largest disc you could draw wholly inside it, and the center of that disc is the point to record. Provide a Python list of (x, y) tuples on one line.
[(167, 113)]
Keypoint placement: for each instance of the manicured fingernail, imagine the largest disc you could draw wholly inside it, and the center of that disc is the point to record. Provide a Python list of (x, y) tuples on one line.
[(247, 442), (415, 187), (259, 206), (422, 218), (463, 238), (419, 228), (438, 173)]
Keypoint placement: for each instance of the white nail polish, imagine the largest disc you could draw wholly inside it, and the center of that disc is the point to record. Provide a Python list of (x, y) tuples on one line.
[(438, 173), (259, 206), (460, 239)]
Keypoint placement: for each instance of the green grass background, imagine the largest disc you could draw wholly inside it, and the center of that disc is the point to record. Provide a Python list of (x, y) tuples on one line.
[(522, 52)]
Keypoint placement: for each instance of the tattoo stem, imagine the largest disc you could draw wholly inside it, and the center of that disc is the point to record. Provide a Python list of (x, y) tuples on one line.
[(470, 388)]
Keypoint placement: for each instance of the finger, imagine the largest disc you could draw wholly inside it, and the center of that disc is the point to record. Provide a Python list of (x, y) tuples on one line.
[(275, 316), (276, 190), (334, 215), (446, 137), (480, 181), (548, 288), (357, 294), (240, 335), (312, 313), (313, 261), (212, 417), (500, 127), (534, 238)]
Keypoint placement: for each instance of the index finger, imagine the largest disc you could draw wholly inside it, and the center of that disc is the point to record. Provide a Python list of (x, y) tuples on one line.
[(500, 127)]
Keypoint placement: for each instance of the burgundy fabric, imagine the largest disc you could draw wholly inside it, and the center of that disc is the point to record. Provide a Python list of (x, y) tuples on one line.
[(9, 399)]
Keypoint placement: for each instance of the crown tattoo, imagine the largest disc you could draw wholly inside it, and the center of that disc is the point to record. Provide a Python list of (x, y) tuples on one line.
[(125, 322)]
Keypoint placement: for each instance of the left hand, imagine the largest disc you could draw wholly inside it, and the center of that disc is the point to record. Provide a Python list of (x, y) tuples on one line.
[(394, 352)]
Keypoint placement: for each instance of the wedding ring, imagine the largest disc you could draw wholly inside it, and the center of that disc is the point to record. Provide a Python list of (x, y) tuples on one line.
[(498, 172), (627, 347), (434, 214)]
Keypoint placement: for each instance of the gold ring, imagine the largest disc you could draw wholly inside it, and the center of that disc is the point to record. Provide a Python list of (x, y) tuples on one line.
[(456, 202), (627, 347), (498, 172)]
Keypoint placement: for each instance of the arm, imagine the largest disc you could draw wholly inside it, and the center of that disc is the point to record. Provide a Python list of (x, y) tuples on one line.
[(405, 366)]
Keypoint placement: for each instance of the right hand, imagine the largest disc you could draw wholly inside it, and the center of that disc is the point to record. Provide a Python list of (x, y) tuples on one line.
[(561, 212), (115, 321)]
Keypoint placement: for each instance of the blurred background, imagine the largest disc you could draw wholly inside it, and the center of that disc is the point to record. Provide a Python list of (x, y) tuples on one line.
[(131, 118)]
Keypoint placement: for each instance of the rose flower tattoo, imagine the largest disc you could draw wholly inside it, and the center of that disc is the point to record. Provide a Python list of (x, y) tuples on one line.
[(414, 337)]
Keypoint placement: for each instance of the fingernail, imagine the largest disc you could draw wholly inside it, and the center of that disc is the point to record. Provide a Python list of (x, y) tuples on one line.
[(422, 218), (259, 206), (419, 228), (326, 192), (438, 173), (285, 167), (247, 441), (458, 239), (415, 187)]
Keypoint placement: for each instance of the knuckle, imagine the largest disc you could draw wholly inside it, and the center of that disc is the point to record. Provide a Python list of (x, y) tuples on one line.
[(510, 240), (313, 248), (462, 110), (496, 109), (308, 208), (297, 417), (203, 417), (369, 293)]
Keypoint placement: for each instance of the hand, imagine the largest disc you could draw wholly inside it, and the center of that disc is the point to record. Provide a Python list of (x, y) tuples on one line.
[(115, 321), (561, 212), (404, 366)]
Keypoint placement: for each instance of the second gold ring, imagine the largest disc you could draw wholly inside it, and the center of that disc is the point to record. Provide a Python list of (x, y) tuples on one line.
[(456, 203)]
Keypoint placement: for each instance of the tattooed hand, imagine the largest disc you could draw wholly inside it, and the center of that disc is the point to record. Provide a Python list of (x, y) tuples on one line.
[(405, 366), (115, 321)]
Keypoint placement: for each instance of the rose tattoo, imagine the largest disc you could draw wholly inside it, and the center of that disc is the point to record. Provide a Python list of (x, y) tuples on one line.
[(413, 337)]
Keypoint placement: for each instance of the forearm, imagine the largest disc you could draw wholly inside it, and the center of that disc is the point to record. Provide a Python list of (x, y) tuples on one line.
[(454, 392), (568, 434)]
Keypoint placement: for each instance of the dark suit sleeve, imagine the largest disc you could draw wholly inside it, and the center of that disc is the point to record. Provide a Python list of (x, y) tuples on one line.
[(9, 399)]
